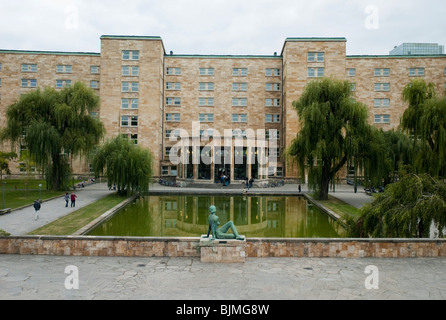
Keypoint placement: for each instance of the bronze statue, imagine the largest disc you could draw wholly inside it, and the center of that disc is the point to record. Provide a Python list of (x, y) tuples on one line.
[(221, 233)]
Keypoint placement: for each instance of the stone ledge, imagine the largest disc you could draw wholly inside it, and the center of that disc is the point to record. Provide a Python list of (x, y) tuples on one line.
[(222, 250)]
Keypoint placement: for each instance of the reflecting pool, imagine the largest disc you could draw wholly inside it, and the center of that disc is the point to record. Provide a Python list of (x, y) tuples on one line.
[(254, 216)]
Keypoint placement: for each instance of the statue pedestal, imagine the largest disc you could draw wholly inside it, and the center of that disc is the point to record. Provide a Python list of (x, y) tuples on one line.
[(222, 250)]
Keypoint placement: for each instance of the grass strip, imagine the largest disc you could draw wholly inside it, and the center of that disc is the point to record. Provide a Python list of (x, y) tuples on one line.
[(73, 222), (340, 207)]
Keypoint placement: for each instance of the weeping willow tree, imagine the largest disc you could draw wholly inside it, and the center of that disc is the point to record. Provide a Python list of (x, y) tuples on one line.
[(407, 209), (53, 125), (425, 121), (125, 164), (334, 133)]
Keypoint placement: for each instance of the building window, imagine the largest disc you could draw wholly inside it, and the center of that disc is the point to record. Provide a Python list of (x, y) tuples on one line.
[(130, 86), (353, 87), (239, 102), (94, 69), (379, 103), (240, 118), (173, 117), (130, 55), (29, 83), (173, 71), (272, 102), (203, 102), (382, 118), (206, 117), (173, 101), (316, 57), (0, 67), (127, 121), (174, 134), (272, 72), (272, 134), (29, 67), (206, 86), (173, 86), (351, 72), (382, 87), (129, 103), (64, 69), (382, 72), (94, 84), (130, 71), (316, 72), (272, 118), (239, 87), (272, 87), (206, 71), (416, 72), (63, 84), (239, 72)]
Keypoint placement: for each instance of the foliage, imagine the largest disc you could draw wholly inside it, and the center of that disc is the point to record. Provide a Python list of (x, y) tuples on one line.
[(425, 121), (52, 125), (126, 165), (5, 157), (406, 209), (335, 132)]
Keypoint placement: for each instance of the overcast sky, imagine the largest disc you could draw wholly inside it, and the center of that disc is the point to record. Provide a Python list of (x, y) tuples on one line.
[(257, 27)]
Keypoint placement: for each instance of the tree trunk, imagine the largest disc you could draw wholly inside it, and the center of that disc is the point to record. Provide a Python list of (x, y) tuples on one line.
[(325, 186)]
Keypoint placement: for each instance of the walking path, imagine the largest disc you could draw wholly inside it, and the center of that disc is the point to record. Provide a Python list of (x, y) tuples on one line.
[(20, 222)]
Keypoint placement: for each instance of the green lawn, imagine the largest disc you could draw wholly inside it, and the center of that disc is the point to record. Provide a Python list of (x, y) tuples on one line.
[(73, 222), (340, 207), (19, 193)]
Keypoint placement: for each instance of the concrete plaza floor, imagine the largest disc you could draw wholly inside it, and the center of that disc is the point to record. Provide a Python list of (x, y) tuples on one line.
[(116, 278)]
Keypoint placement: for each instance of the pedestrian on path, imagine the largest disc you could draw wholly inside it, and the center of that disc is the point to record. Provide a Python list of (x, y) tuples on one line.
[(67, 199), (37, 207), (73, 200)]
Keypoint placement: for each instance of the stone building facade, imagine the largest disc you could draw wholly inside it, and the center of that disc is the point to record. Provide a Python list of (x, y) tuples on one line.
[(203, 115)]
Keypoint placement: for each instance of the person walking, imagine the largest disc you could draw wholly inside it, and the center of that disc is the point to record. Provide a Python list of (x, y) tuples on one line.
[(67, 199), (37, 207), (73, 200)]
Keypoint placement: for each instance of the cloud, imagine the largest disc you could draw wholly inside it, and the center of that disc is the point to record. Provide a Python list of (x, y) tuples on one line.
[(218, 26)]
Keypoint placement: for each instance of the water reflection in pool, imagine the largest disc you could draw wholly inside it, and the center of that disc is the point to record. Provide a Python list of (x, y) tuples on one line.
[(254, 216)]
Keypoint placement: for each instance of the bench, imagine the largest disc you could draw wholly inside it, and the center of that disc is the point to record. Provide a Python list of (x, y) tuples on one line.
[(5, 211), (222, 250)]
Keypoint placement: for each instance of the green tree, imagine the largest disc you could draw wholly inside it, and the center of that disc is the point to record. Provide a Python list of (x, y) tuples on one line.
[(425, 121), (407, 209), (334, 132), (52, 125), (5, 157), (126, 165)]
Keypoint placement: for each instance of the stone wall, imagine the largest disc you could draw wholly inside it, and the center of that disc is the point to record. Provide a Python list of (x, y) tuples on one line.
[(255, 248)]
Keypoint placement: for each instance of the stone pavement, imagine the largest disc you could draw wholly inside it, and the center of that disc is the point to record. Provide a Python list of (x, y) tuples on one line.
[(114, 278)]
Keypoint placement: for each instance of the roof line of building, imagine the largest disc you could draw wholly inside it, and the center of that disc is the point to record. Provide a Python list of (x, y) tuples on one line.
[(210, 56), (397, 56), (62, 53)]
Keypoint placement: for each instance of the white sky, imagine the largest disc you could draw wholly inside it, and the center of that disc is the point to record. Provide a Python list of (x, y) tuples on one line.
[(256, 27)]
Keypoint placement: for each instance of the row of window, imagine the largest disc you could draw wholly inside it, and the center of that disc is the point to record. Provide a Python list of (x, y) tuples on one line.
[(236, 133), (385, 72), (236, 72), (32, 83), (173, 171), (68, 69), (209, 86), (132, 121), (209, 102), (236, 117)]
